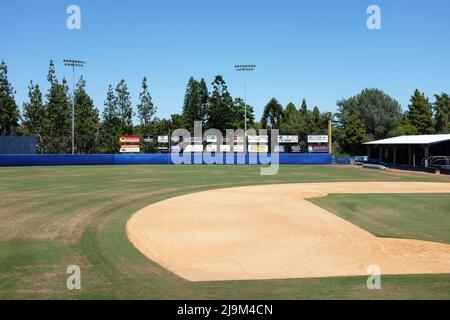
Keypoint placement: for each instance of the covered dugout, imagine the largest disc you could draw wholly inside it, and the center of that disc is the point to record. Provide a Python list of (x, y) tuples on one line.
[(418, 151)]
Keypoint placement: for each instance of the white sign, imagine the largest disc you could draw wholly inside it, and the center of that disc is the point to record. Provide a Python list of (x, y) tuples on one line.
[(225, 148), (211, 148), (194, 148), (176, 148), (258, 148), (318, 139), (258, 139), (211, 139), (287, 139), (238, 148), (163, 139), (279, 149), (193, 140), (130, 149)]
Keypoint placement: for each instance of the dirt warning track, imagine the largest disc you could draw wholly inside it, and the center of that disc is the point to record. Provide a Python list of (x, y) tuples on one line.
[(273, 232)]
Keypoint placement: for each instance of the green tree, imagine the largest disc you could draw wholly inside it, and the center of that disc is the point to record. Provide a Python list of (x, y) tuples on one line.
[(111, 127), (58, 131), (442, 113), (353, 135), (272, 115), (124, 108), (379, 113), (192, 110), (34, 116), (146, 112), (420, 113), (86, 120), (291, 121), (220, 106), (146, 109), (238, 121), (9, 112), (204, 98)]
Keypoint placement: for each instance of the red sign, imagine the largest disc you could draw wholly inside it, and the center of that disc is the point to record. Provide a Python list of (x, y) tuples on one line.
[(130, 139)]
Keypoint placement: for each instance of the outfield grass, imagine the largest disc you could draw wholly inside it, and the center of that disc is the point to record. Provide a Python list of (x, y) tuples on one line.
[(53, 217)]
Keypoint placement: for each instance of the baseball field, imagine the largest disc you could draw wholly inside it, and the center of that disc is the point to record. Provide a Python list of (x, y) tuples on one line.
[(223, 232)]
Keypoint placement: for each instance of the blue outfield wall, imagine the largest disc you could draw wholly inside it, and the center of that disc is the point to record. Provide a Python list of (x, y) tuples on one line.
[(136, 159)]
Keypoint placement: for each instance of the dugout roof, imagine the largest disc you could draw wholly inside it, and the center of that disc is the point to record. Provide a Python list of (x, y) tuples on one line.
[(417, 139)]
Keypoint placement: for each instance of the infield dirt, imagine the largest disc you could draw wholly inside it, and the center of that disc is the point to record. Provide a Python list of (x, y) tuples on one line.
[(274, 232)]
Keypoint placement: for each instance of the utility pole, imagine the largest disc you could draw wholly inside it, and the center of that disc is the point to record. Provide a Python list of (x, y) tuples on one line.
[(73, 64)]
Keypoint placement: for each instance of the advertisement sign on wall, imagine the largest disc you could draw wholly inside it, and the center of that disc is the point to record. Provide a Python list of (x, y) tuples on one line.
[(130, 139), (194, 148), (130, 149), (163, 139), (253, 148), (319, 149), (225, 148), (258, 139), (287, 139), (238, 148), (318, 139), (211, 139), (279, 149), (211, 148)]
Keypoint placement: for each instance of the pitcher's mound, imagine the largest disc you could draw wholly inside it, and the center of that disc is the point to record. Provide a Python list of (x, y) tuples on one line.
[(273, 232)]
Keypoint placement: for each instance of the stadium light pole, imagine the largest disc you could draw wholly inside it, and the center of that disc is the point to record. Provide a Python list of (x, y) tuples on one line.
[(73, 64), (245, 68)]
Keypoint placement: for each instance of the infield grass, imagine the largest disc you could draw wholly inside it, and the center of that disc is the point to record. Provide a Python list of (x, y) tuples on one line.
[(52, 217)]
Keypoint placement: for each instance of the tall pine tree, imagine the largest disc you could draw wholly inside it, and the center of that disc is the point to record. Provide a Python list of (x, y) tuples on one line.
[(442, 113), (58, 131), (146, 109), (86, 120), (420, 113), (34, 116), (192, 109), (272, 115), (9, 112), (220, 106), (111, 127), (125, 108)]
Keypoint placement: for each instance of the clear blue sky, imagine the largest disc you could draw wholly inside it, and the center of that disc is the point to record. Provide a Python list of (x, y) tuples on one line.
[(318, 50)]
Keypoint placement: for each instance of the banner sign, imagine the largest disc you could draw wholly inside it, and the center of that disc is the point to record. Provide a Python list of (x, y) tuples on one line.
[(258, 139), (238, 148), (148, 139), (279, 149), (287, 139), (193, 140), (130, 139), (175, 148), (130, 149), (317, 139), (238, 139), (194, 148), (296, 149), (319, 149), (253, 148), (163, 139), (225, 148), (211, 139), (211, 148)]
